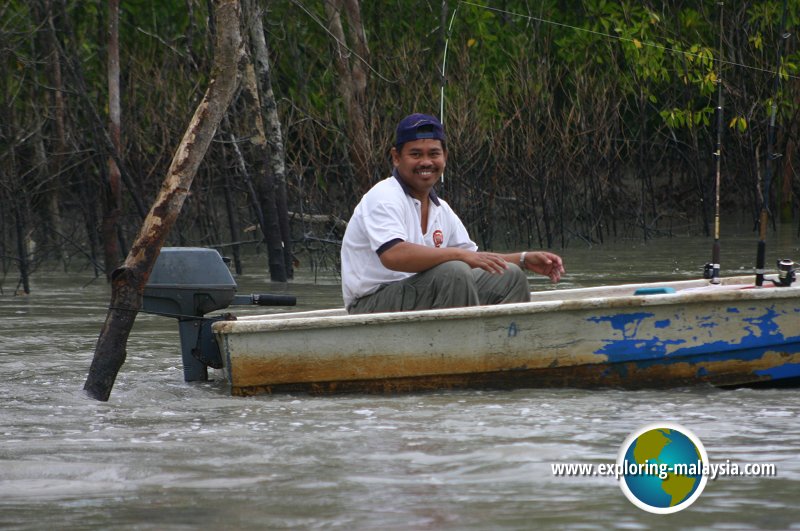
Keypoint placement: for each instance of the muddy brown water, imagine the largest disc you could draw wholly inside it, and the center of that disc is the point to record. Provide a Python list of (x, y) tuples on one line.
[(164, 454)]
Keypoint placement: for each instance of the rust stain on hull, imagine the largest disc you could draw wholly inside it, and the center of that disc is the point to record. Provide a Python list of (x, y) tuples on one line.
[(628, 375), (299, 367)]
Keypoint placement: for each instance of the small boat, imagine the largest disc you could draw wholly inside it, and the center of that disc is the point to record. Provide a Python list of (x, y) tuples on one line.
[(627, 336), (632, 336)]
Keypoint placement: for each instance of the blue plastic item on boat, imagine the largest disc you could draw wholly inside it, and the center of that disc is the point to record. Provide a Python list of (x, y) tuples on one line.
[(654, 291)]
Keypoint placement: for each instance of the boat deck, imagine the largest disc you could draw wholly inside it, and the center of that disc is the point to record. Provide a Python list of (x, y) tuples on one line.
[(593, 296)]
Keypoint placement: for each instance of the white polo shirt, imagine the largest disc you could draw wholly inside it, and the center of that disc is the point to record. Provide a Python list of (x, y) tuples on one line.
[(388, 213)]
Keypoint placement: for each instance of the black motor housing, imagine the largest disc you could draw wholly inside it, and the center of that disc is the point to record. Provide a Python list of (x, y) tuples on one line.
[(186, 284)]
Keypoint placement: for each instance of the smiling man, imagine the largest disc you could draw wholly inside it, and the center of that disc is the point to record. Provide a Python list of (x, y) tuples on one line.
[(405, 249)]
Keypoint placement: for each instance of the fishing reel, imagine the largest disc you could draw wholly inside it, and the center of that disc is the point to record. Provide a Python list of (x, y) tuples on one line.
[(709, 270), (786, 272)]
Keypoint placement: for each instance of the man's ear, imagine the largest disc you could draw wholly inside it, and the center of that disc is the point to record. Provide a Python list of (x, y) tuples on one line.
[(395, 156)]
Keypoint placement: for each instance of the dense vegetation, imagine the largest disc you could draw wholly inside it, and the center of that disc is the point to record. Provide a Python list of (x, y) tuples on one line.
[(568, 121)]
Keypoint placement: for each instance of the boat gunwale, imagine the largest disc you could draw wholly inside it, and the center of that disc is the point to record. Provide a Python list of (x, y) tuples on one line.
[(305, 320)]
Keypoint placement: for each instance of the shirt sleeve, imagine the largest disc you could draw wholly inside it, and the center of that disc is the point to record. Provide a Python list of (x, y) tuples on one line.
[(388, 245), (384, 223)]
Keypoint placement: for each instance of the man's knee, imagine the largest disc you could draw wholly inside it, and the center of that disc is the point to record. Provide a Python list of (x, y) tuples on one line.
[(510, 286), (451, 276), (517, 274), (520, 280), (454, 269), (447, 285), (519, 290)]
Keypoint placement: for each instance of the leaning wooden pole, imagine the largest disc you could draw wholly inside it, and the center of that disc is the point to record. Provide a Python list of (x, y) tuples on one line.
[(128, 281)]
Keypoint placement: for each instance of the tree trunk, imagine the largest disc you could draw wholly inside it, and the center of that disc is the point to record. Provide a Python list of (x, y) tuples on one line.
[(98, 133), (792, 131), (233, 225), (255, 197), (352, 90), (257, 150), (54, 163), (113, 192), (274, 134), (129, 280), (20, 208), (785, 208), (358, 39), (74, 67)]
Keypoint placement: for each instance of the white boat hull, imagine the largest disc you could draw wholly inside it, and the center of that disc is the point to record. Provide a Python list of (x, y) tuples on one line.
[(732, 334)]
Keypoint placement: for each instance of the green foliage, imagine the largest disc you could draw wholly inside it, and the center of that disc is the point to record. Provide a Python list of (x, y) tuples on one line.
[(687, 118), (554, 99), (738, 124)]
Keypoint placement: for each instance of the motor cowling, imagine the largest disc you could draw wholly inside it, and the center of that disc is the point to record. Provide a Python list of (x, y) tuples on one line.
[(186, 284)]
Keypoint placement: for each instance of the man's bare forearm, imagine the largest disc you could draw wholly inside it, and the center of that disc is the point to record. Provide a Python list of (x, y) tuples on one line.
[(414, 258)]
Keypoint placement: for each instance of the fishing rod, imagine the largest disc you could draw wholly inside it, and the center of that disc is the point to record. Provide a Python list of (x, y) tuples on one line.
[(715, 249), (770, 158)]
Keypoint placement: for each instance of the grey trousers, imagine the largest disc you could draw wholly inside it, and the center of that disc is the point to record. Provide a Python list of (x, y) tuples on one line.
[(448, 285)]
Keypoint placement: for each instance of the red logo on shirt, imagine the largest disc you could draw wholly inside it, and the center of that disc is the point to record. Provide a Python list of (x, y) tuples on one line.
[(438, 238)]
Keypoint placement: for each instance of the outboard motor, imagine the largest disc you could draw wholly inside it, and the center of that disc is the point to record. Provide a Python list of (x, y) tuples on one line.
[(187, 283)]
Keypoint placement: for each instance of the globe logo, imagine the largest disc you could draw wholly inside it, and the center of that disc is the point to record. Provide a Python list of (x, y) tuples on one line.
[(662, 468)]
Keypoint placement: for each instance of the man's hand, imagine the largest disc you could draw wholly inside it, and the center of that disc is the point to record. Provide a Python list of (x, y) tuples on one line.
[(544, 263), (490, 262)]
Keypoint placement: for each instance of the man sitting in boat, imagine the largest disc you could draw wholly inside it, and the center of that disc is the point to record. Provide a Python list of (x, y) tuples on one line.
[(405, 249)]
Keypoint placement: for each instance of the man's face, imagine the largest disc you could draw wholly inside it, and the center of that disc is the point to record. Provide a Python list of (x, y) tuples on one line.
[(420, 164)]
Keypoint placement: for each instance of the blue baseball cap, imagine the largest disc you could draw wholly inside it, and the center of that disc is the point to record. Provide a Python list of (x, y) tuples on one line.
[(418, 126)]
